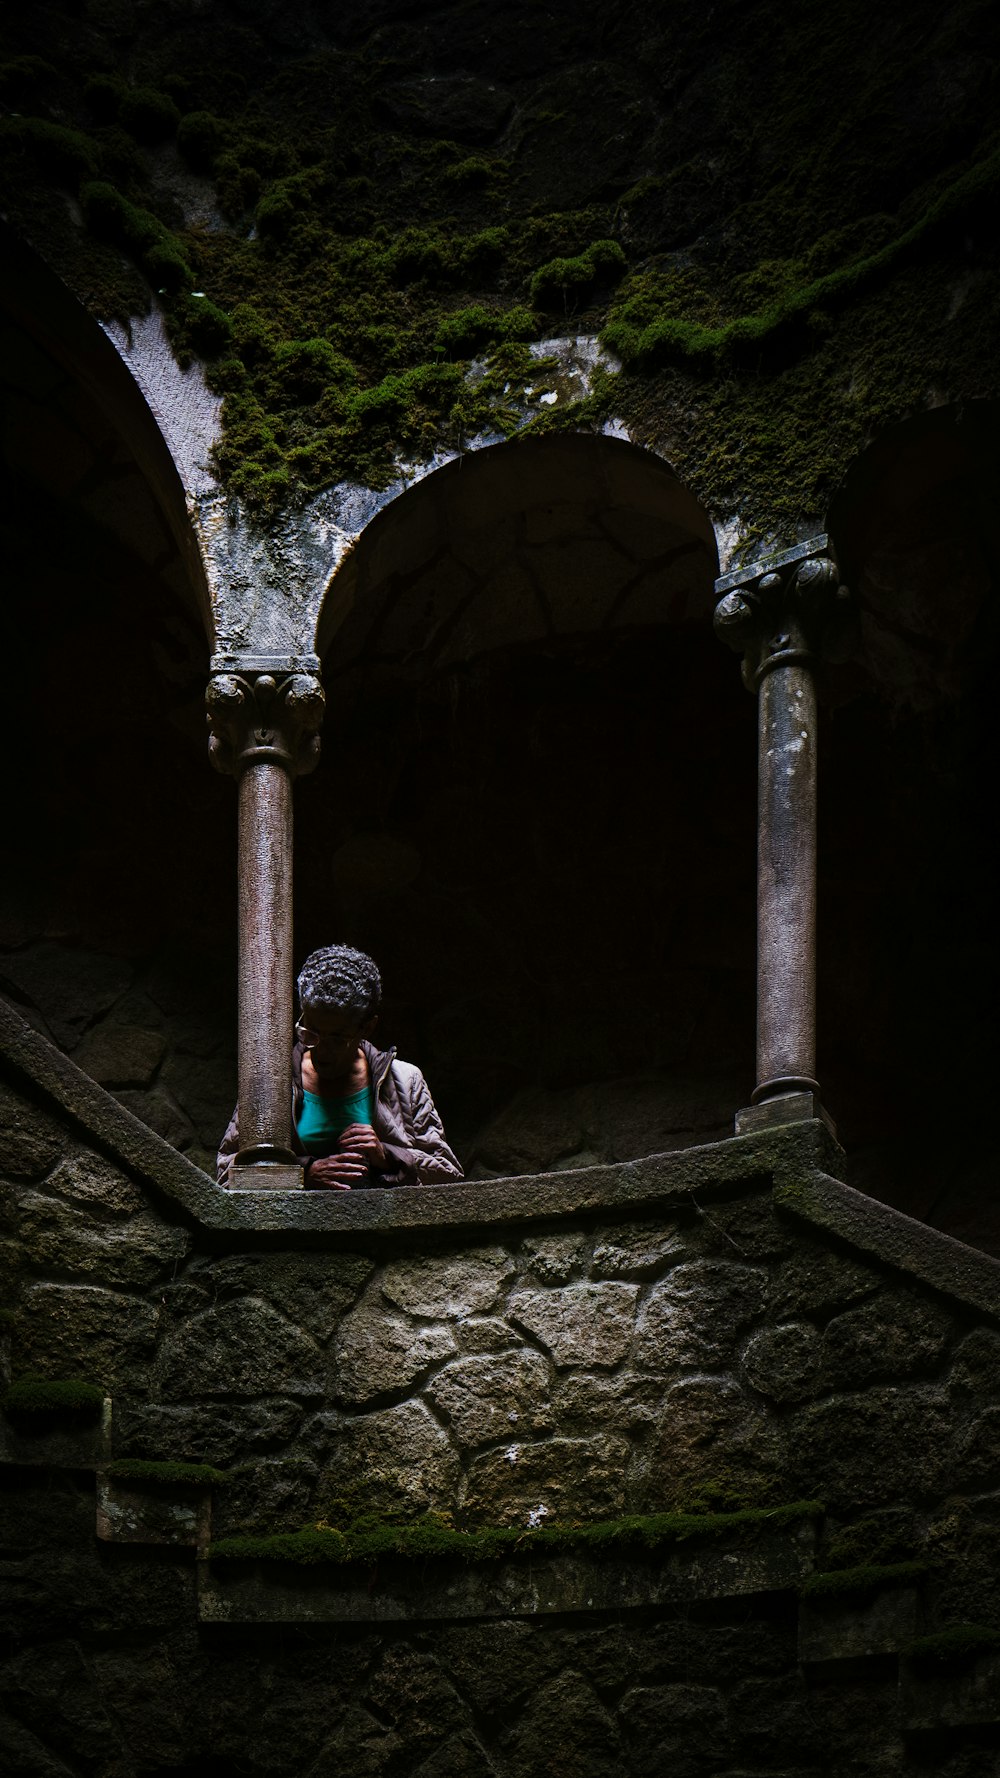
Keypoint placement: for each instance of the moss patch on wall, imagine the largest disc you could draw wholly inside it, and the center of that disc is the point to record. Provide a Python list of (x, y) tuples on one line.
[(39, 1397), (150, 1473), (780, 226), (433, 1537)]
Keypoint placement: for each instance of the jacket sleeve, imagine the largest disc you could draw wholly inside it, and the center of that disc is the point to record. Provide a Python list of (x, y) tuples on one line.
[(424, 1158), (228, 1148)]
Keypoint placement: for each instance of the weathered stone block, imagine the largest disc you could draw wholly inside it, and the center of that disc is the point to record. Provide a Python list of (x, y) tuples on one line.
[(862, 1449), (401, 1455), (570, 1478), (80, 1330), (785, 1362), (157, 1108), (640, 1251), (565, 1730), (694, 1315), (585, 1324), (977, 1459), (749, 1227), (30, 1140), (215, 1432), (586, 1401), (59, 1239), (491, 1398), (312, 1290), (377, 1353), (129, 1512), (275, 1494), (976, 1364), (675, 1728), (484, 1334), (709, 1433), (895, 1334), (553, 1258), (70, 987), (51, 1441), (93, 1183), (841, 1630), (121, 1055), (965, 1699), (814, 1281), (243, 1348), (468, 1283)]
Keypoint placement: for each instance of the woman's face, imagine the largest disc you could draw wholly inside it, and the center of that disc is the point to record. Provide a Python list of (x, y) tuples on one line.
[(331, 1035)]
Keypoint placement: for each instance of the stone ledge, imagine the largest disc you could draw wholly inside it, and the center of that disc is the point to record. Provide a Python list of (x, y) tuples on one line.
[(655, 1182), (960, 1273), (399, 1591), (789, 1158)]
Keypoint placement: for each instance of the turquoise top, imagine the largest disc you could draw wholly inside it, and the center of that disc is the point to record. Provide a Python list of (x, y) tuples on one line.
[(321, 1122)]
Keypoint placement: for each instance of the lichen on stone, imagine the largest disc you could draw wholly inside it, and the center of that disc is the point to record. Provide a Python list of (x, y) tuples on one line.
[(37, 1396)]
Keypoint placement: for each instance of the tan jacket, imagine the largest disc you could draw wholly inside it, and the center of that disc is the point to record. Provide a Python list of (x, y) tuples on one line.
[(404, 1119)]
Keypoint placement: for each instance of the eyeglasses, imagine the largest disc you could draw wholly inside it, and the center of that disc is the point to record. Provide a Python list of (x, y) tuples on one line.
[(309, 1039)]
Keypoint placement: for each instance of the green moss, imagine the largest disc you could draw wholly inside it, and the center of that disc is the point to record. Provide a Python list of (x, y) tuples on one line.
[(365, 1539), (8, 1320), (23, 78), (148, 115), (789, 274), (40, 1396), (560, 282), (868, 1578), (201, 136), (160, 253), (669, 338), (104, 95), (67, 156), (466, 331), (173, 1475), (954, 1647), (879, 1538)]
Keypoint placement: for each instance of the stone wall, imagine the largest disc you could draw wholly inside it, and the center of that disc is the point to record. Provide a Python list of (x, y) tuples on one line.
[(728, 1327)]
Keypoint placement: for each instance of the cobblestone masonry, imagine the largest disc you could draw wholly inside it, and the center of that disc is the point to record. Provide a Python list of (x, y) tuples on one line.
[(726, 1330)]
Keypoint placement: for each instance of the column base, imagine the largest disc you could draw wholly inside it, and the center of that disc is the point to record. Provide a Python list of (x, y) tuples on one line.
[(784, 1108), (267, 1176)]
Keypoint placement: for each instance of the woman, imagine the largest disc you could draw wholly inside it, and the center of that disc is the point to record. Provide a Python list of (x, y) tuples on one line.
[(359, 1116)]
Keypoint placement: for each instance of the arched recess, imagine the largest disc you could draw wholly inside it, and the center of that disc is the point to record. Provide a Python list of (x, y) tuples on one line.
[(566, 534), (117, 916), (909, 955), (35, 304), (536, 802)]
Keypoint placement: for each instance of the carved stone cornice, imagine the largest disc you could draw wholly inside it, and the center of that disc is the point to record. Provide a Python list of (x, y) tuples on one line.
[(786, 608), (257, 714)]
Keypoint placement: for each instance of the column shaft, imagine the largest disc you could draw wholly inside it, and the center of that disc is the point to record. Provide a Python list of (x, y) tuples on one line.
[(265, 963), (786, 882)]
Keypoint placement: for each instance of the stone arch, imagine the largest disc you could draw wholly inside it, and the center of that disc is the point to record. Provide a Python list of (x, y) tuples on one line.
[(561, 533), (908, 880), (116, 918), (44, 320), (546, 837), (913, 523)]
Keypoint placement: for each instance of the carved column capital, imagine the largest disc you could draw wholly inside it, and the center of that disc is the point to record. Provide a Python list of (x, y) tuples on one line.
[(259, 712), (786, 608)]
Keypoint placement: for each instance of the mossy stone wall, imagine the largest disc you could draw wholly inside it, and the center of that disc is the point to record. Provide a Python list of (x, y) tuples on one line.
[(779, 221), (708, 1331)]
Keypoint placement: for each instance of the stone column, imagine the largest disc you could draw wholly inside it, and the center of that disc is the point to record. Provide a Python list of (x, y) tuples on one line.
[(784, 614), (264, 716)]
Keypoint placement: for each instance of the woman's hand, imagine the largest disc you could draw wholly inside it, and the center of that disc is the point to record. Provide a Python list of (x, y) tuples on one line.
[(336, 1172), (360, 1141)]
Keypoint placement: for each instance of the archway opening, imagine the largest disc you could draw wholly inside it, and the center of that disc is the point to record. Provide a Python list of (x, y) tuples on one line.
[(537, 806), (117, 923), (908, 878)]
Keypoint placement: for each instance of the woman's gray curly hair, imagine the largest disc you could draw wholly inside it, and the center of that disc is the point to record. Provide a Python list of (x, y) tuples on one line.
[(340, 977)]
